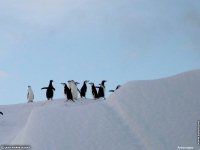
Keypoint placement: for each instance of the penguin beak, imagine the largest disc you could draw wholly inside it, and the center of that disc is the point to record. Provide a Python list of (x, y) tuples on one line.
[(118, 86)]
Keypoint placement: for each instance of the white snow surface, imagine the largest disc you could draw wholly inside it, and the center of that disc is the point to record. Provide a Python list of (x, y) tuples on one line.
[(141, 115)]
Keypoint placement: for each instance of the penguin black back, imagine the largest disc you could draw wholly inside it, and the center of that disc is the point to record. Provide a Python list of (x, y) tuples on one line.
[(50, 90), (115, 89), (94, 91), (84, 89), (67, 92), (111, 90), (101, 91)]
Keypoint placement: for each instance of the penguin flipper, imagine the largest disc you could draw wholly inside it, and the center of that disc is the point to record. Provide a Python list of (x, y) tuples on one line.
[(44, 88), (27, 95), (79, 91), (1, 113)]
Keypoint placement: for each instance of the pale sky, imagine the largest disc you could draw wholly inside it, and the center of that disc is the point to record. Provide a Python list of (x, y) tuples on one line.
[(95, 40)]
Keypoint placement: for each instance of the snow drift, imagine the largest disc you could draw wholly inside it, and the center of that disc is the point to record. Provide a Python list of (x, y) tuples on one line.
[(141, 115)]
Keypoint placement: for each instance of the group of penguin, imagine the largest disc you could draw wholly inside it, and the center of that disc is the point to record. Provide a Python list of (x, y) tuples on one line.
[(71, 90)]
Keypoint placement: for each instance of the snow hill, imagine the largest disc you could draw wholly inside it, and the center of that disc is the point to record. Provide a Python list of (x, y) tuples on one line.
[(142, 115)]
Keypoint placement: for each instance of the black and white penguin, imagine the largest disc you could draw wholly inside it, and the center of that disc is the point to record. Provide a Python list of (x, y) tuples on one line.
[(1, 113), (50, 90), (84, 89), (74, 89), (30, 95), (115, 89), (67, 92), (94, 91), (101, 92)]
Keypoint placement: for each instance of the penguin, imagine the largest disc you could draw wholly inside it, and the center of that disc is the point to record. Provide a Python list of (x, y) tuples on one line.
[(84, 89), (1, 113), (115, 89), (67, 92), (101, 91), (50, 90), (94, 91), (118, 87), (76, 83), (70, 84), (74, 89), (30, 95)]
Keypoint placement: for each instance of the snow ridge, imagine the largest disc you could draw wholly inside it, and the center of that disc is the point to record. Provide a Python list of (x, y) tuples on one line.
[(162, 113)]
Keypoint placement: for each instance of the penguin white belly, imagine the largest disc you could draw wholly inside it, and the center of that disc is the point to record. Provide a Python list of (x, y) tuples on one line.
[(30, 96), (69, 85), (74, 91)]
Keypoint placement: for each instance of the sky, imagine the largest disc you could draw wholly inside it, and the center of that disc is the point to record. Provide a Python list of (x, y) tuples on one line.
[(94, 40)]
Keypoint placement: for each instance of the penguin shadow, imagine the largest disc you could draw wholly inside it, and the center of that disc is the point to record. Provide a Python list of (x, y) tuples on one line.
[(80, 102), (45, 103), (2, 119)]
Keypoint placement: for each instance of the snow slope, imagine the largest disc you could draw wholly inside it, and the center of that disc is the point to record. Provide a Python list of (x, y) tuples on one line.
[(142, 115)]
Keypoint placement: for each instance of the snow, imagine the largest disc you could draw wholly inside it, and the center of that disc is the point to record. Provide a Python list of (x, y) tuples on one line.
[(141, 115)]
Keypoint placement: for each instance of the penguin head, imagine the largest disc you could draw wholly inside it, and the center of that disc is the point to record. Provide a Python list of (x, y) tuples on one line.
[(86, 81), (63, 83), (91, 83), (51, 81), (103, 81), (29, 86), (76, 83), (118, 87), (72, 81)]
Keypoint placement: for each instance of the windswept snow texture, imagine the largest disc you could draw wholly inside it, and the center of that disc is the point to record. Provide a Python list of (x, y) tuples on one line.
[(141, 115)]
